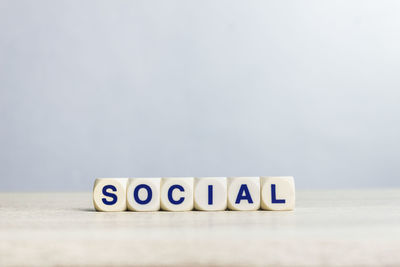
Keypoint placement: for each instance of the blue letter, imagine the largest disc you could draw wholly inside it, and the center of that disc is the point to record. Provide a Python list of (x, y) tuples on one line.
[(240, 196), (113, 196), (149, 194), (180, 188), (273, 195), (210, 195)]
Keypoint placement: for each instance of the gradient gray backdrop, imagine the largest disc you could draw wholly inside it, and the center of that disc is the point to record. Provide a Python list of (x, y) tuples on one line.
[(199, 88)]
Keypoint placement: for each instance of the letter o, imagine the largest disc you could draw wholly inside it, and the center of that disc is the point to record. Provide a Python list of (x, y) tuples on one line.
[(149, 194)]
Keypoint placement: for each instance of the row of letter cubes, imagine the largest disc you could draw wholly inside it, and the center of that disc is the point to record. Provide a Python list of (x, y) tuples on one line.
[(186, 193)]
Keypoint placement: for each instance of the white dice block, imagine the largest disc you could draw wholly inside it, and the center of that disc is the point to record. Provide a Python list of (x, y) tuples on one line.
[(109, 194), (243, 193), (277, 193), (177, 194), (143, 194), (210, 193)]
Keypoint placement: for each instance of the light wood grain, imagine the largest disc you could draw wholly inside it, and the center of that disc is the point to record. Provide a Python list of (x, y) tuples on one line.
[(328, 228)]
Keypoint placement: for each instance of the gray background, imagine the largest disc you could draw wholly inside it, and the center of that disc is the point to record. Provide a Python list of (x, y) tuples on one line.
[(199, 88)]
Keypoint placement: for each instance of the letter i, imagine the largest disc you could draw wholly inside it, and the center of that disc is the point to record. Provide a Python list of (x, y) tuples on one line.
[(210, 195)]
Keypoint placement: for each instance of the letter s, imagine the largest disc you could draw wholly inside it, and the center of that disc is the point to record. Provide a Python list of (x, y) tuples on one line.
[(108, 194)]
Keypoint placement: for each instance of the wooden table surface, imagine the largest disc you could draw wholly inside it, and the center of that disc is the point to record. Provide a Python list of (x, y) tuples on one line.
[(328, 228)]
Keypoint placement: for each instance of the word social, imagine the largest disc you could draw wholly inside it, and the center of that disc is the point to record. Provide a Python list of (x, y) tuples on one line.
[(199, 193)]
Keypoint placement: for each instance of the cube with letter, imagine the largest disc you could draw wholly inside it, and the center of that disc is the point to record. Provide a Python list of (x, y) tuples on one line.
[(277, 193), (143, 194), (109, 194), (243, 193), (210, 193), (177, 194)]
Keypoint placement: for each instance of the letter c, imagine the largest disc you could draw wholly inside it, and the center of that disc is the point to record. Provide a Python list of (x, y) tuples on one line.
[(171, 189)]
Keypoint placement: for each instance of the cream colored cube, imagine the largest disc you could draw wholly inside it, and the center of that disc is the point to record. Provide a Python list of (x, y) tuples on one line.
[(277, 193), (243, 193), (109, 194), (143, 194), (210, 193), (177, 194)]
